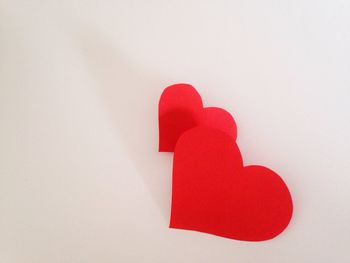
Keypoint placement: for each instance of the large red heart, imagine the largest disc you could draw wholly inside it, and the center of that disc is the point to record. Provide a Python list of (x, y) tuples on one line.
[(181, 108), (213, 192)]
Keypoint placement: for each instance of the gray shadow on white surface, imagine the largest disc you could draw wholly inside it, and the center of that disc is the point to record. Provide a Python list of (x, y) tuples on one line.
[(131, 98)]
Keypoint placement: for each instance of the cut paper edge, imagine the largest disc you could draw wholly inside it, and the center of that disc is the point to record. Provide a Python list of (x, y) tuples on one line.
[(180, 108), (213, 193)]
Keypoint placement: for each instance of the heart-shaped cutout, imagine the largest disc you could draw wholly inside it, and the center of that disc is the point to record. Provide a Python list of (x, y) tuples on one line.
[(213, 192), (180, 109)]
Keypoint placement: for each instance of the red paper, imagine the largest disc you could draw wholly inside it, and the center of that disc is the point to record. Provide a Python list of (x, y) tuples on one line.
[(212, 191), (181, 108)]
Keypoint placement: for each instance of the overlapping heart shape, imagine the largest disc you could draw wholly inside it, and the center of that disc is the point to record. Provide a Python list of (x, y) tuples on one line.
[(212, 191)]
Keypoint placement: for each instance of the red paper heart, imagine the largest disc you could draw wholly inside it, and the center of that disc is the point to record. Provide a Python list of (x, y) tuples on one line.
[(181, 108), (213, 193)]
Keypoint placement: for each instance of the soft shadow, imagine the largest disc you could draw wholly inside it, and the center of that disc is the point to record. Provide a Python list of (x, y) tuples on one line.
[(131, 96)]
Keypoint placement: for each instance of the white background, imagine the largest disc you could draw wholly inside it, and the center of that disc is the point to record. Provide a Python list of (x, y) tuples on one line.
[(80, 176)]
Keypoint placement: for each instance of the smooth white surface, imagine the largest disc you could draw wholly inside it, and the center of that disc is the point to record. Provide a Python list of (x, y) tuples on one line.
[(80, 176)]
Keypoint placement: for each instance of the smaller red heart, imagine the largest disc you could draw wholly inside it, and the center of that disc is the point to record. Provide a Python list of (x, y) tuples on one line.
[(180, 109), (213, 192)]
